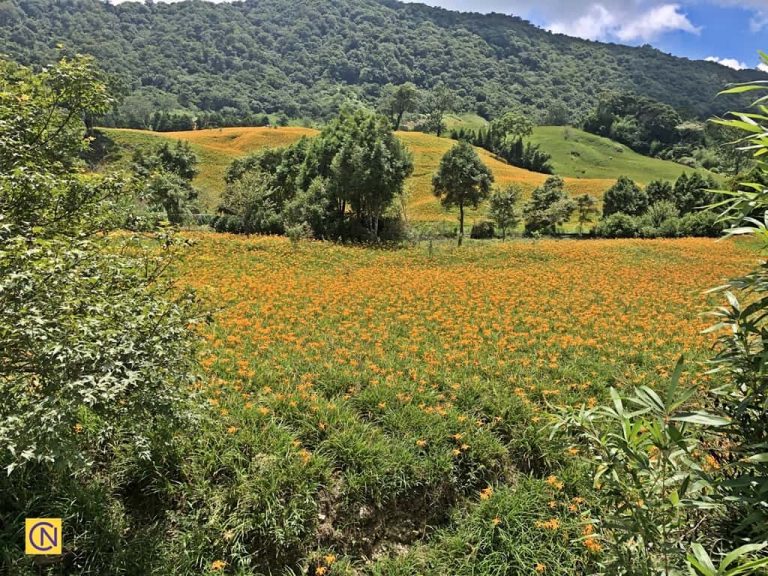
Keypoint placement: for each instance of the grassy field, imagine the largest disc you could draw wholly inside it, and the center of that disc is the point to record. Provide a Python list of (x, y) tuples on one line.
[(578, 154), (383, 412)]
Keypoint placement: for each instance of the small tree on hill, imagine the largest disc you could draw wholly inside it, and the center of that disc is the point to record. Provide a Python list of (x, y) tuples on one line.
[(625, 196), (399, 100), (550, 206), (586, 208), (439, 102), (462, 180), (503, 209)]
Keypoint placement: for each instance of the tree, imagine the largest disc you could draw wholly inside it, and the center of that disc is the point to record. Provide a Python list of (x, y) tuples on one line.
[(693, 192), (462, 180), (586, 208), (550, 206), (659, 191), (439, 102), (363, 163), (625, 196), (164, 179), (399, 100), (88, 329), (511, 126), (503, 208)]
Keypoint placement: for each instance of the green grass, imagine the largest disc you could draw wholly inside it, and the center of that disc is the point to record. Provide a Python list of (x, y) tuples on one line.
[(578, 154), (467, 120)]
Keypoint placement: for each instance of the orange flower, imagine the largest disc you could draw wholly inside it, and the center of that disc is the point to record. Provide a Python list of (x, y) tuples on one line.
[(232, 430), (496, 521), (218, 565), (486, 493), (540, 568), (555, 483)]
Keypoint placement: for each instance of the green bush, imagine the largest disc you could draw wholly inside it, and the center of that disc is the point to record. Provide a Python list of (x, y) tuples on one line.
[(618, 225), (483, 231)]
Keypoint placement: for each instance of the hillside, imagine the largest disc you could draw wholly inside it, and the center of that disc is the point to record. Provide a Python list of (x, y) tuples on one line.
[(217, 148), (306, 58), (579, 154)]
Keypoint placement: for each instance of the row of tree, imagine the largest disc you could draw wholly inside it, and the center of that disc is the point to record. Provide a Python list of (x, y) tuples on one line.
[(505, 137)]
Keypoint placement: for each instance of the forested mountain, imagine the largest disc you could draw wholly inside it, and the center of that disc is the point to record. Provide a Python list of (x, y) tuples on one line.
[(306, 58)]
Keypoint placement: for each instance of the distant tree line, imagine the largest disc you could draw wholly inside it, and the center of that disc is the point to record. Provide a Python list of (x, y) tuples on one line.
[(307, 59), (657, 129)]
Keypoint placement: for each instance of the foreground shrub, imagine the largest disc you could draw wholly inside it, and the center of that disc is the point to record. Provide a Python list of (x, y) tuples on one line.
[(96, 356)]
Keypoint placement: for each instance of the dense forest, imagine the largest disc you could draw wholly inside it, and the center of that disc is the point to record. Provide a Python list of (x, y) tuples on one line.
[(243, 60)]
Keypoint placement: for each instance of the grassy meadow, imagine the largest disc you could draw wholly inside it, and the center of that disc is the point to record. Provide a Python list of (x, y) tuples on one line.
[(589, 164), (387, 409)]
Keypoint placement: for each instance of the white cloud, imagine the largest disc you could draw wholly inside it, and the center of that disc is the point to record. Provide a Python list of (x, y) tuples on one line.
[(730, 62), (595, 24), (763, 67), (657, 21), (627, 22)]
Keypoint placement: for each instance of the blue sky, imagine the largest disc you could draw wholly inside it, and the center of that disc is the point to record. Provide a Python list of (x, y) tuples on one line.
[(729, 31)]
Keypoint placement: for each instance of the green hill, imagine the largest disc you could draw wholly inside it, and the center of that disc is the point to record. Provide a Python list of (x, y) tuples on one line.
[(578, 154), (241, 60)]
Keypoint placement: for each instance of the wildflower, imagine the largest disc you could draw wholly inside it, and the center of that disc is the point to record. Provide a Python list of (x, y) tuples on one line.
[(540, 568), (456, 452), (329, 559), (421, 443), (321, 570), (552, 504), (263, 410), (218, 565), (555, 483), (593, 545), (78, 428), (496, 521), (231, 429), (551, 524), (486, 493)]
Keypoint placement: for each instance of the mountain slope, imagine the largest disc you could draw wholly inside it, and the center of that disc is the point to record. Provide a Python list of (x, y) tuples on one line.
[(579, 154), (307, 58)]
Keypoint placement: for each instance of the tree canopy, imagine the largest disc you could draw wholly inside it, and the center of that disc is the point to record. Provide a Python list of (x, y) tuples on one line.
[(235, 62)]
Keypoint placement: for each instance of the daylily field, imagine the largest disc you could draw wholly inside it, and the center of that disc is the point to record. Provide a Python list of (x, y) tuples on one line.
[(390, 407)]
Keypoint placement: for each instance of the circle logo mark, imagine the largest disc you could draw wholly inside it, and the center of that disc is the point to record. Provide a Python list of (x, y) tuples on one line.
[(43, 536)]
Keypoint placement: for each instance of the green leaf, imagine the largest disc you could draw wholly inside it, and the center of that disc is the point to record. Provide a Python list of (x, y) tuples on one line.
[(702, 418), (739, 553)]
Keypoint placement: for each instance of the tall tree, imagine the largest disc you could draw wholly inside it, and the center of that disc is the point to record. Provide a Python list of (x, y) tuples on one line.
[(503, 208), (586, 209), (462, 181), (440, 102), (550, 206), (625, 196), (399, 100)]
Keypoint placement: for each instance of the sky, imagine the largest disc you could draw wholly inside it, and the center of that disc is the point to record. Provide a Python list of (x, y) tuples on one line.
[(727, 31)]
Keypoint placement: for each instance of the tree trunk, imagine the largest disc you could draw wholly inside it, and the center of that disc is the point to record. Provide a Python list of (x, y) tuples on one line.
[(399, 121), (461, 224)]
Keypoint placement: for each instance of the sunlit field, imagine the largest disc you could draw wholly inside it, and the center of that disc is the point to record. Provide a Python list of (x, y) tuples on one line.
[(395, 403)]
